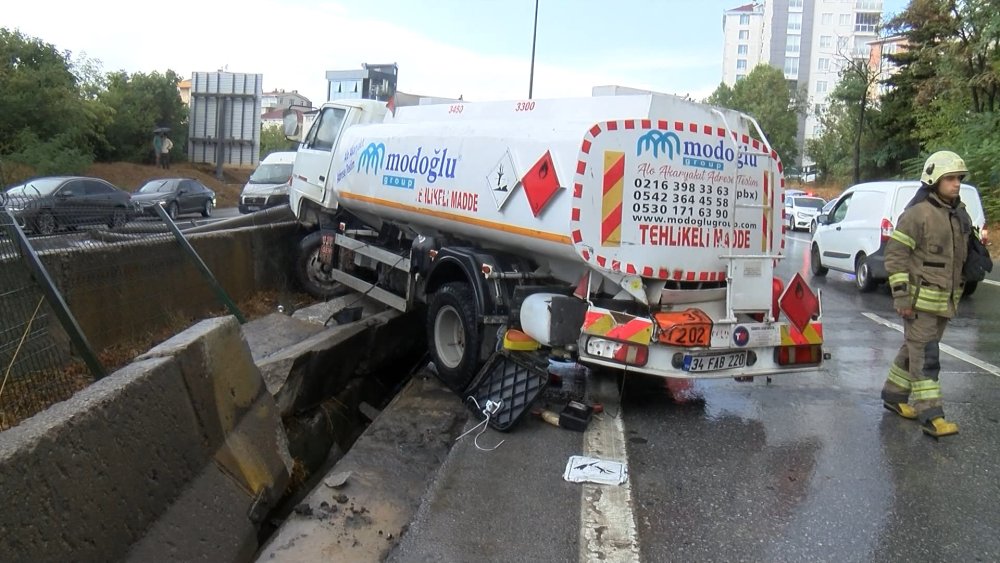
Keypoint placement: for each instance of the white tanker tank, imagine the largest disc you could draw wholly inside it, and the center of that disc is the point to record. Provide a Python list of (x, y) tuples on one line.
[(648, 198)]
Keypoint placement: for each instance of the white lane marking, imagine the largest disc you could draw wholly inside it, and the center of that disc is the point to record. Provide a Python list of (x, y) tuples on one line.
[(991, 282), (607, 525), (798, 239), (985, 366)]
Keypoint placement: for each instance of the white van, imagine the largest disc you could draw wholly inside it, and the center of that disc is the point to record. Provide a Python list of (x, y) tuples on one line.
[(852, 236), (268, 185)]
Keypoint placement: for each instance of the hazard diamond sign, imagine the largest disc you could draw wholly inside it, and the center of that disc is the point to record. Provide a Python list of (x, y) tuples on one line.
[(799, 303), (540, 183)]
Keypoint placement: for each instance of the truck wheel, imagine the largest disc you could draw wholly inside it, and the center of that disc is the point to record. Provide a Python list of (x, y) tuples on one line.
[(311, 272), (453, 334)]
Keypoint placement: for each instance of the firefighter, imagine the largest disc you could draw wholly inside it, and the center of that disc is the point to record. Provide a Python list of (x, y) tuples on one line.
[(924, 259)]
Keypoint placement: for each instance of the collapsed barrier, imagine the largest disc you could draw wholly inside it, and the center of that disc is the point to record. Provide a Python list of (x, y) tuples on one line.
[(82, 297)]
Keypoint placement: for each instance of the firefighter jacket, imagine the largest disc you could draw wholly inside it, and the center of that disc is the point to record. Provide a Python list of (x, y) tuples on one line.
[(925, 254)]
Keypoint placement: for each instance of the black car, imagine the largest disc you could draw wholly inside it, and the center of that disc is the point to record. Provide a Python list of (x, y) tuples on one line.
[(45, 205), (177, 195)]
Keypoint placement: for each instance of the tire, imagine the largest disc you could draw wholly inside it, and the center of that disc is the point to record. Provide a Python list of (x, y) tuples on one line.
[(172, 210), (118, 219), (863, 275), (206, 211), (815, 266), (791, 225), (310, 271), (970, 288), (453, 334), (812, 227), (45, 223)]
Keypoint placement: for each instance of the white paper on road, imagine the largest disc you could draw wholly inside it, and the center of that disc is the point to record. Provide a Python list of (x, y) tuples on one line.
[(584, 469)]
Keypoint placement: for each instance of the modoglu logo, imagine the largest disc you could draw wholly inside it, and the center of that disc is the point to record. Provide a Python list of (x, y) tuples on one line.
[(371, 158)]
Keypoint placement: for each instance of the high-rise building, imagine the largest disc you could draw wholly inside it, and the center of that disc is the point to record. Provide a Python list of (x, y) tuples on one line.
[(373, 82), (810, 40)]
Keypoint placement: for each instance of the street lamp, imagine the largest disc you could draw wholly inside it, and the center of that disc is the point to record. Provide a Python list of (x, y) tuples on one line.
[(534, 37)]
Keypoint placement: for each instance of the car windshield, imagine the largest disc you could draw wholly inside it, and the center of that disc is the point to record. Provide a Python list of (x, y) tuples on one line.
[(154, 186), (271, 174), (42, 186), (810, 202)]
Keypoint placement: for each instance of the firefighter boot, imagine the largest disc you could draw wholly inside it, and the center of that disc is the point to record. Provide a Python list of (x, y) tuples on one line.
[(939, 427), (902, 409)]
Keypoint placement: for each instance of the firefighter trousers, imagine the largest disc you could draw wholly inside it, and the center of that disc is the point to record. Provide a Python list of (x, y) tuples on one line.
[(914, 372)]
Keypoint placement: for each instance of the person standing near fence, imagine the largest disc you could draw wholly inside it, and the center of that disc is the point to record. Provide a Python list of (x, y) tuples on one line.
[(157, 147), (165, 152)]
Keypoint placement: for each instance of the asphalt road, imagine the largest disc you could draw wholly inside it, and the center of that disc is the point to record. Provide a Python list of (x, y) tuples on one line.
[(808, 467)]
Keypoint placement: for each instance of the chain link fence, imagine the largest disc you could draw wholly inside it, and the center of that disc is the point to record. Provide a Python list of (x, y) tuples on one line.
[(119, 269)]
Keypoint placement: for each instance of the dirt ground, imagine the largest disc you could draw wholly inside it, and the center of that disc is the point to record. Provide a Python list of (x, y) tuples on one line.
[(130, 177)]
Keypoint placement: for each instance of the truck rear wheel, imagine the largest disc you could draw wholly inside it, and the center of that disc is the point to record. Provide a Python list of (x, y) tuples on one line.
[(311, 272), (453, 334)]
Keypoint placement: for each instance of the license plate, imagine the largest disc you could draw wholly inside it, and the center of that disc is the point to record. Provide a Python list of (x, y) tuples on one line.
[(715, 362), (252, 208)]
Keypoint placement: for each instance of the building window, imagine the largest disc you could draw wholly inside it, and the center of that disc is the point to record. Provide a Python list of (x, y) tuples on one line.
[(741, 64), (744, 34), (740, 77), (794, 21), (865, 23), (819, 109), (824, 65), (791, 67), (845, 19), (870, 5), (742, 49), (821, 86), (744, 19), (826, 19), (843, 43), (795, 4), (825, 41), (792, 43)]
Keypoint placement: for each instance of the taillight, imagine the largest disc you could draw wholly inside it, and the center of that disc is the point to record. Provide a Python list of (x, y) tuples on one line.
[(798, 355), (622, 352), (886, 228), (984, 235)]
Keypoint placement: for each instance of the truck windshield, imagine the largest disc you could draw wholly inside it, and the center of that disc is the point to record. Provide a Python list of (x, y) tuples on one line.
[(271, 174), (325, 131)]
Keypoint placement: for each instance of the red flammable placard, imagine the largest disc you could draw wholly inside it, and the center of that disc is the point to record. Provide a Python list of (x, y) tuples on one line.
[(798, 302), (540, 183)]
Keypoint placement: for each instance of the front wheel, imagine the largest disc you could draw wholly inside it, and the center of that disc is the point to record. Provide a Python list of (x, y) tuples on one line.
[(45, 224), (863, 274), (453, 334), (118, 219), (315, 276), (814, 264), (172, 210), (206, 211)]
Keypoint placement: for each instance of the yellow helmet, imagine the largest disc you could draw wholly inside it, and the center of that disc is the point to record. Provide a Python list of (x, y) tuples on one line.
[(942, 163)]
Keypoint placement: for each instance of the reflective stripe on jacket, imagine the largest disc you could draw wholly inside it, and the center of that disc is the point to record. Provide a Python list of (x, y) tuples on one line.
[(925, 254)]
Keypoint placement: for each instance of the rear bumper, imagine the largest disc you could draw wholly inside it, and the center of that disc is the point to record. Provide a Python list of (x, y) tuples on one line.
[(876, 264)]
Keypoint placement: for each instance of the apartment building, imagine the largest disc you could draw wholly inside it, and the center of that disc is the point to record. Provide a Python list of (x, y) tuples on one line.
[(810, 40)]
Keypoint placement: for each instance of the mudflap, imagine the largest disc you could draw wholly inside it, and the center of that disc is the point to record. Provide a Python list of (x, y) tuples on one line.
[(506, 386)]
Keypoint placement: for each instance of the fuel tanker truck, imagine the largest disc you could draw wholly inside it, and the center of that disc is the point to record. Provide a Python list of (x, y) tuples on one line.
[(635, 232)]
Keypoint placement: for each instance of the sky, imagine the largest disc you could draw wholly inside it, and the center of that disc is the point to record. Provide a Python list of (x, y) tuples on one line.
[(477, 49)]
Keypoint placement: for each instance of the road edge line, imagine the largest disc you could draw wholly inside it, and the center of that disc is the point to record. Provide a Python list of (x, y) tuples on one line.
[(607, 524), (985, 366)]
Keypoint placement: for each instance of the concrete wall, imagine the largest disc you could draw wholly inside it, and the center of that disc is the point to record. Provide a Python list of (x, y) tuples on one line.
[(119, 292), (173, 458)]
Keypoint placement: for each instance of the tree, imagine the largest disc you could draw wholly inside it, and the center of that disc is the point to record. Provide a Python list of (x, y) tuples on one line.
[(770, 99), (43, 113), (272, 139), (140, 103)]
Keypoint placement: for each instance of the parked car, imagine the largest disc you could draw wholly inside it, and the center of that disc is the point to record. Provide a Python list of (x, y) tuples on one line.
[(45, 205), (800, 211), (268, 185), (852, 236), (176, 195), (826, 209)]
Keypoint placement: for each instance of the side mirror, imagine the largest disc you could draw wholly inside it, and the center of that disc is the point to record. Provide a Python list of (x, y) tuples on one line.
[(822, 219), (290, 124)]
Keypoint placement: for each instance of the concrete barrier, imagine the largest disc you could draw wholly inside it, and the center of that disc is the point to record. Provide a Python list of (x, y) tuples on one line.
[(175, 457)]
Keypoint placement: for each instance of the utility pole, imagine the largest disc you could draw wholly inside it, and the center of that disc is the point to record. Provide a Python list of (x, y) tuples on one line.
[(534, 37)]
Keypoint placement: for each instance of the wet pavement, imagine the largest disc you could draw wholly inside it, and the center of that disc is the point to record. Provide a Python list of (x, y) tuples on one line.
[(807, 467)]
